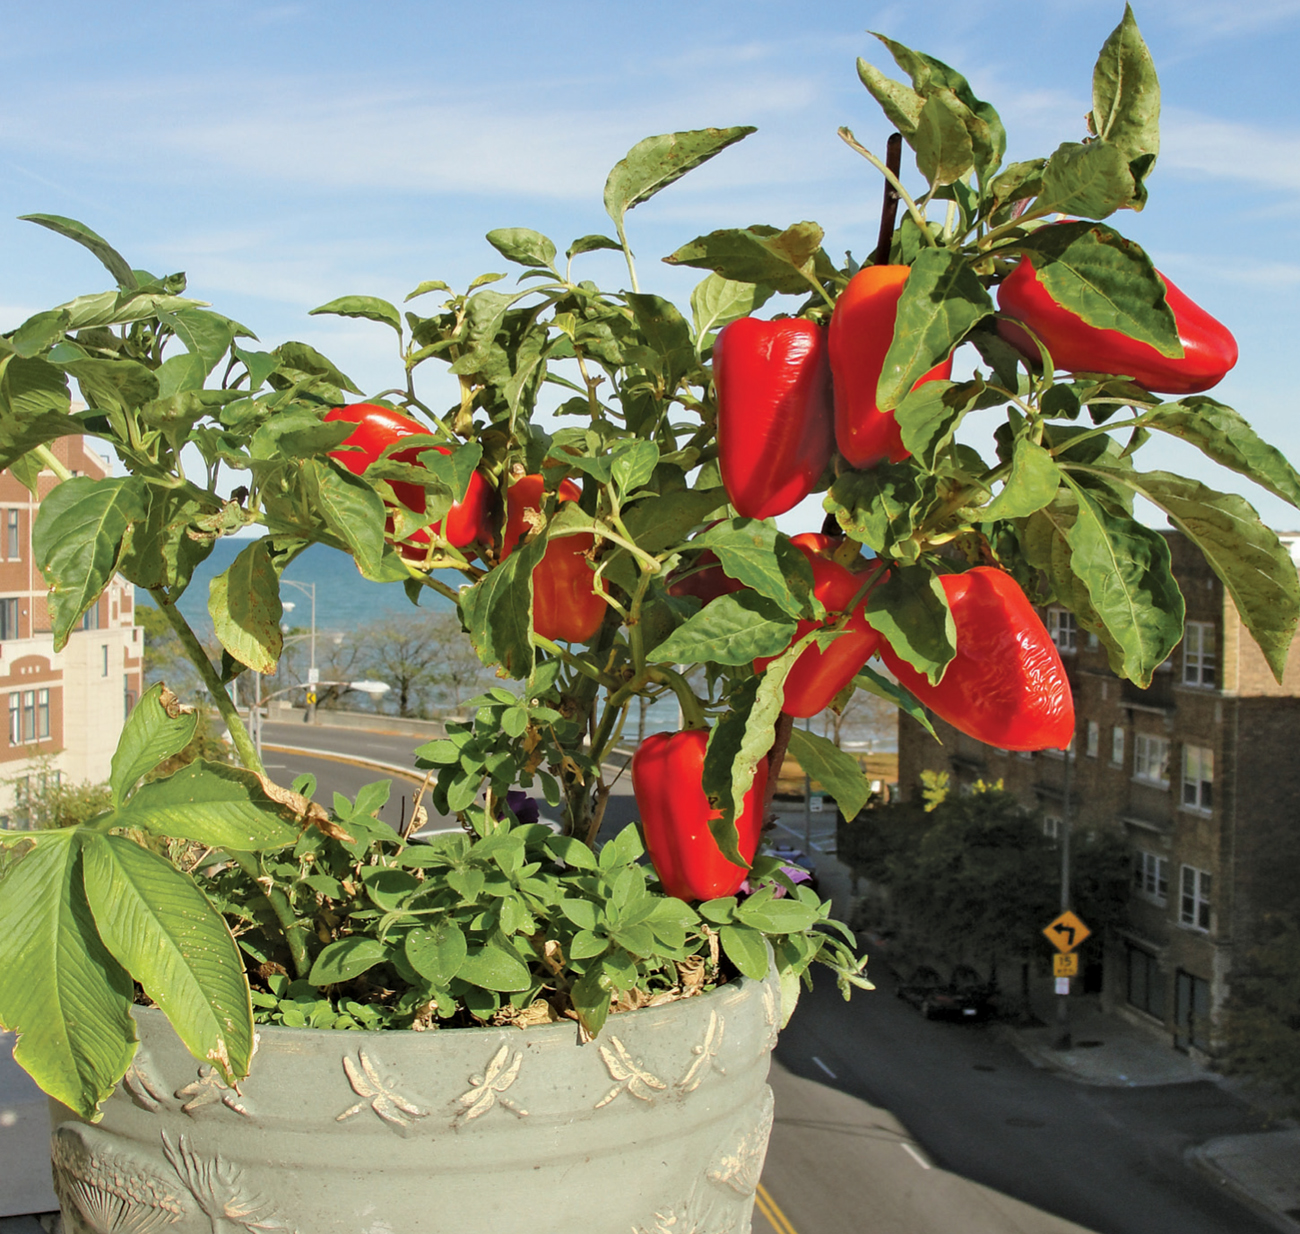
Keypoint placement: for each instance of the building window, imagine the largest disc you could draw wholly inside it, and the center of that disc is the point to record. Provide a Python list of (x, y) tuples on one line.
[(43, 714), (1151, 877), (29, 715), (15, 719), (129, 699), (1146, 983), (1198, 654), (1151, 760), (1117, 746), (1064, 629), (104, 673), (90, 618), (1094, 738), (13, 547), (9, 618), (1052, 826), (1194, 906), (1198, 777)]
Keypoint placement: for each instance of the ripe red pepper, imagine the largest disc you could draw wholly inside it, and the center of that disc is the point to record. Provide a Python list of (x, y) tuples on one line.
[(467, 522), (1006, 685), (862, 329), (668, 780), (818, 676), (1209, 350), (564, 606), (775, 414)]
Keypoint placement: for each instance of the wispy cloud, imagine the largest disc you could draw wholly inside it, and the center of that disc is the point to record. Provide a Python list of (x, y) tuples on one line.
[(1230, 150)]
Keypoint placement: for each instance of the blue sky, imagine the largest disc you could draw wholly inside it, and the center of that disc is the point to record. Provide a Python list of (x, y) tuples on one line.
[(285, 154)]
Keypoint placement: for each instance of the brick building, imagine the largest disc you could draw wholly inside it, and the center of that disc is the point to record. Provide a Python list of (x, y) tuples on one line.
[(68, 705), (1199, 772)]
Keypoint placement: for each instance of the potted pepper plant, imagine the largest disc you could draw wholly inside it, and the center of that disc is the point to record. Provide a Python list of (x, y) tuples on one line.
[(446, 1031)]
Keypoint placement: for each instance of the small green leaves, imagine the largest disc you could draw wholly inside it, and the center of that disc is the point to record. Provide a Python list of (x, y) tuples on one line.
[(157, 728), (716, 302), (498, 610), (1107, 280), (910, 608), (1126, 97), (523, 245), (942, 300), (78, 542), (655, 162), (733, 629), (370, 308), (1093, 180), (163, 931), (244, 603), (113, 261), (60, 990), (832, 768), (1125, 568), (785, 260), (346, 958), (1031, 484), (748, 551)]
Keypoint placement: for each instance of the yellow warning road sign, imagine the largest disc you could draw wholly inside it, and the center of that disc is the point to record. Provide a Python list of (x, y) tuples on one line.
[(1066, 932), (1065, 964)]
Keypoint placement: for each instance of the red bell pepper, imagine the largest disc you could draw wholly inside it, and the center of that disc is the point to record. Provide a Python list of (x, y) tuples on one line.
[(1209, 350), (565, 607), (775, 415), (468, 521), (818, 676), (861, 331), (668, 780), (1006, 686)]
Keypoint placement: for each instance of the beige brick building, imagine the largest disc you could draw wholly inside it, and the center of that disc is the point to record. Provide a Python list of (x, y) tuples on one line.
[(69, 705), (1200, 772)]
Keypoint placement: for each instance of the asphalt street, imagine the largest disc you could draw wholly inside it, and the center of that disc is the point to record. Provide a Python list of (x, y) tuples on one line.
[(1109, 1159)]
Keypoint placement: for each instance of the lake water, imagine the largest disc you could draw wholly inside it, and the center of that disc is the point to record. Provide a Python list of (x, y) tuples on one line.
[(346, 603)]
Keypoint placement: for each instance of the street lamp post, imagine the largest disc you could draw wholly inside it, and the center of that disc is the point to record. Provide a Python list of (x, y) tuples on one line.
[(313, 673)]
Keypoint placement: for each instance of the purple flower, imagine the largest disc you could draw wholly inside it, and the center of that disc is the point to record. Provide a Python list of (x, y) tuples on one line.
[(522, 806)]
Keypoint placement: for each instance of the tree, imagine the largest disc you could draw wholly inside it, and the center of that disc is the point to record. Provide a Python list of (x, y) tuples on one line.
[(43, 799), (1262, 1015), (417, 656)]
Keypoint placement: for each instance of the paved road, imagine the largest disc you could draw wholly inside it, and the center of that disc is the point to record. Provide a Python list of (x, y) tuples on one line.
[(1110, 1159)]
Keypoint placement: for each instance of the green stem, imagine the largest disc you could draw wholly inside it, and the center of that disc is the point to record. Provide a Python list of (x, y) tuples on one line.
[(211, 680), (583, 666), (293, 929), (48, 460), (692, 710), (846, 135), (627, 253), (1005, 228)]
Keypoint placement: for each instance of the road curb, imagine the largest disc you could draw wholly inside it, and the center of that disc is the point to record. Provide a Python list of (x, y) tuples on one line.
[(353, 760), (1201, 1156)]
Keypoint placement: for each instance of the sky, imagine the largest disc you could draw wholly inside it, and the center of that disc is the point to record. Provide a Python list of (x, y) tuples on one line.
[(286, 154)]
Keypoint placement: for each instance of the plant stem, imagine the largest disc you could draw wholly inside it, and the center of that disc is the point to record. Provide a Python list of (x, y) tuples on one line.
[(889, 207), (211, 680), (846, 135), (47, 458), (627, 253), (692, 711), (280, 906)]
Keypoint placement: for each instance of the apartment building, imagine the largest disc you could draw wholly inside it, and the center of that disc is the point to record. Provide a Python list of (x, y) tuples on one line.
[(1198, 771), (65, 709)]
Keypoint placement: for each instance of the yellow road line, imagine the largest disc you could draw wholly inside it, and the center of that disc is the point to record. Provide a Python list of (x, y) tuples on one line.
[(772, 1211)]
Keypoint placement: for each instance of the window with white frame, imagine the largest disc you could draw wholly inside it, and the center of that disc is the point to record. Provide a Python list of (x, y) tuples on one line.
[(13, 544), (1199, 660), (1052, 826), (1151, 876), (9, 617), (1094, 738), (42, 714), (1198, 777), (104, 670), (15, 719), (1064, 629), (1117, 746), (1151, 759), (29, 715), (1194, 904)]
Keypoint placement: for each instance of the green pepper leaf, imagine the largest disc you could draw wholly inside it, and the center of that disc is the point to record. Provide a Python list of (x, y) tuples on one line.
[(371, 308), (836, 771), (157, 728), (244, 603), (910, 608), (733, 629), (942, 300), (1126, 95)]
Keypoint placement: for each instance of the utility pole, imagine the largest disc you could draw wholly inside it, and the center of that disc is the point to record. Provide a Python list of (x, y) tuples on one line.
[(1062, 1041)]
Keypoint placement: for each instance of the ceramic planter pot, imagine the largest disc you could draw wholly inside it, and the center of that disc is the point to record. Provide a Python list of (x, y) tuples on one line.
[(659, 1126)]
